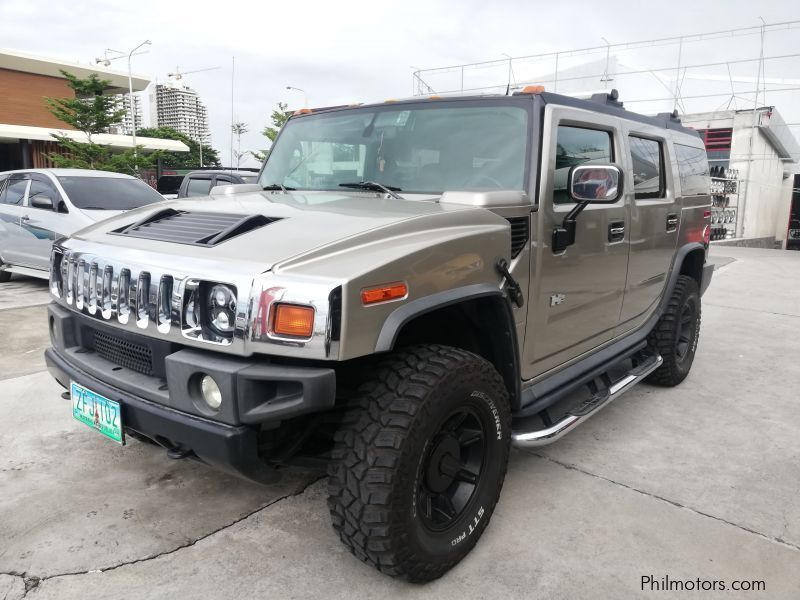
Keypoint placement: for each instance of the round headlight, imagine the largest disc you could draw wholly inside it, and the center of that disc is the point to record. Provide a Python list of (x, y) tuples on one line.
[(211, 392), (222, 308)]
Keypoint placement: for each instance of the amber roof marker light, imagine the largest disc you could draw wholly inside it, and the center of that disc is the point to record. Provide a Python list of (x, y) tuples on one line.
[(384, 293)]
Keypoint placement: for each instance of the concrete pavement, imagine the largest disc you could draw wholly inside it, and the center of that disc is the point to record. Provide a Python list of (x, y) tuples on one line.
[(700, 481)]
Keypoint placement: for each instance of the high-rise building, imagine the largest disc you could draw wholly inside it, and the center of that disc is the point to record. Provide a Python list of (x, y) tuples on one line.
[(125, 127), (179, 106)]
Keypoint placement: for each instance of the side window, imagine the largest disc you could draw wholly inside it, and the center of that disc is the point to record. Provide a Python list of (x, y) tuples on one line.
[(578, 146), (648, 168), (222, 181), (43, 188), (692, 170), (14, 193), (198, 187)]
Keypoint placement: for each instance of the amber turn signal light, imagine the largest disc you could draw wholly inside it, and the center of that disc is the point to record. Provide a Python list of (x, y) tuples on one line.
[(293, 320), (384, 293), (533, 89)]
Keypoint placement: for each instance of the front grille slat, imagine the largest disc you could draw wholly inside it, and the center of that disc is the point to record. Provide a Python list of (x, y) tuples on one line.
[(124, 353)]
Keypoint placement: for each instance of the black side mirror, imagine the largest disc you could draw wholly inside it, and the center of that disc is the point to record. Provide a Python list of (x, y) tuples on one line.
[(42, 201), (588, 184)]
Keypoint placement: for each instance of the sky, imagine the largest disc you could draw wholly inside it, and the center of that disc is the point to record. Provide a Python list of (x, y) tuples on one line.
[(359, 51)]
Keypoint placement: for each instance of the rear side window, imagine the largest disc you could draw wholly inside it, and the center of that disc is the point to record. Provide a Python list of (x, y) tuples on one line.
[(198, 187), (692, 169), (14, 192), (647, 157), (578, 146)]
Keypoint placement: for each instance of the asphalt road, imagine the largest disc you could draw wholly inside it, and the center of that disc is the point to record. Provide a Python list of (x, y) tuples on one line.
[(700, 481)]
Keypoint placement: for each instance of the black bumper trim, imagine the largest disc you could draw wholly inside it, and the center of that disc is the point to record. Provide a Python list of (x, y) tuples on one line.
[(229, 448), (708, 271)]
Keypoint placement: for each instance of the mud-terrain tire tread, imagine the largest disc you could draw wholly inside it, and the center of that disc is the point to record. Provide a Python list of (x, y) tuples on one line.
[(662, 338), (378, 427)]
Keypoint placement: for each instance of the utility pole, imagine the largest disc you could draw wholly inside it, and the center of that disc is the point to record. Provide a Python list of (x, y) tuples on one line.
[(130, 104)]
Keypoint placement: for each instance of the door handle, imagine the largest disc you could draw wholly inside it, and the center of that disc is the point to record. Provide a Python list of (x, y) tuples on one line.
[(672, 222), (616, 231)]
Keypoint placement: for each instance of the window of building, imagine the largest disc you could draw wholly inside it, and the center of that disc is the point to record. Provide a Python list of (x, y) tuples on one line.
[(578, 146), (692, 170), (647, 157)]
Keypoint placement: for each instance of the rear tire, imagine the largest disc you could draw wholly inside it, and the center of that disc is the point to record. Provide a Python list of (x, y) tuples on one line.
[(676, 334), (419, 461)]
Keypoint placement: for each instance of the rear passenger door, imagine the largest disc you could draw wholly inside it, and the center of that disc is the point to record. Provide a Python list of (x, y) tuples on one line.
[(576, 293), (653, 217)]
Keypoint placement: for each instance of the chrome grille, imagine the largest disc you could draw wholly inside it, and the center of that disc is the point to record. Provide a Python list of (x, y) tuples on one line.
[(113, 292)]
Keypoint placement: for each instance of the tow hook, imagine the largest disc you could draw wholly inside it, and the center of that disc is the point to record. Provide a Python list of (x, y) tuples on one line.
[(512, 287)]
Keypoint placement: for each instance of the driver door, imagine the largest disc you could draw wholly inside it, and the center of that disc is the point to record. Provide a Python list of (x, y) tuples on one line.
[(40, 226), (576, 293)]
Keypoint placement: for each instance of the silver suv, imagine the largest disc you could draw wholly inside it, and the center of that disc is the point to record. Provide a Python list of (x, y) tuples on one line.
[(411, 288), (39, 205)]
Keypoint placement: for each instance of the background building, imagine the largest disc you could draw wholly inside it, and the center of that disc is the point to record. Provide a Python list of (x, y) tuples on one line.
[(125, 127), (178, 106), (26, 124), (759, 153)]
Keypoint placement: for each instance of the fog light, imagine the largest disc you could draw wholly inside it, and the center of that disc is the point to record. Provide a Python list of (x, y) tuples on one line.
[(211, 392)]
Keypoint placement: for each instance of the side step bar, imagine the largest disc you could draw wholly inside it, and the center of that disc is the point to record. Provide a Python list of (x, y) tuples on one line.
[(542, 437)]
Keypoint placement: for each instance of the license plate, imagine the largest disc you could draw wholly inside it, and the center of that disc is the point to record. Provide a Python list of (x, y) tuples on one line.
[(98, 412)]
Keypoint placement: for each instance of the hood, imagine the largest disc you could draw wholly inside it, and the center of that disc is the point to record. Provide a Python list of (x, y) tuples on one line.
[(282, 226), (100, 215)]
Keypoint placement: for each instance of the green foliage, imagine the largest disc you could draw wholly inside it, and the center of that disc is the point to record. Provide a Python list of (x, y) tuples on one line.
[(181, 160), (278, 118), (89, 111), (95, 156)]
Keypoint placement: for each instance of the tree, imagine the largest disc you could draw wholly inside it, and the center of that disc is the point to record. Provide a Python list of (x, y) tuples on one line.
[(181, 160), (238, 129), (278, 118), (90, 112)]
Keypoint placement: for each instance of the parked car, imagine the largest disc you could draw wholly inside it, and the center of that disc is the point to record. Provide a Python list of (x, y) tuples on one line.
[(37, 206), (410, 289), (199, 183)]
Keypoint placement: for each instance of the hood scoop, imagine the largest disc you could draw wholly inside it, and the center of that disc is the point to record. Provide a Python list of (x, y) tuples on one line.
[(195, 228)]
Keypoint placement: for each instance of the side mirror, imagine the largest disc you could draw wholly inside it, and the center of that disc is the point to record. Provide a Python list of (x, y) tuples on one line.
[(42, 201), (595, 183), (588, 184)]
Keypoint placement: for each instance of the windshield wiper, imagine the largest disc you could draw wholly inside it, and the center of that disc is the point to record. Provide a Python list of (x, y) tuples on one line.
[(274, 187), (376, 187)]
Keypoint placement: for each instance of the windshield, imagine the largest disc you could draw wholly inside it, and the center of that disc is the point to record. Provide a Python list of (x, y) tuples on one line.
[(108, 193), (422, 149)]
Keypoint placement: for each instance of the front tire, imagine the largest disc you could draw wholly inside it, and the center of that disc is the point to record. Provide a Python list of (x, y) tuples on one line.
[(676, 334), (419, 461)]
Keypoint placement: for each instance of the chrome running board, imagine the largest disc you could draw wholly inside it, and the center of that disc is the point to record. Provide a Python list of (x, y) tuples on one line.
[(542, 437)]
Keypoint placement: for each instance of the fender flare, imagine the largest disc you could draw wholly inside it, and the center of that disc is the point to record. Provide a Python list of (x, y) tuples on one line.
[(509, 370)]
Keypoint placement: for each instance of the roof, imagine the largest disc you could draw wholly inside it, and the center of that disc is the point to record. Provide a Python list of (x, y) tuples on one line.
[(26, 132), (51, 67), (602, 103), (73, 173)]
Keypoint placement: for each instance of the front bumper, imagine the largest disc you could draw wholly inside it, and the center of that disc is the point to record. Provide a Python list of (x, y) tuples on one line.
[(166, 406)]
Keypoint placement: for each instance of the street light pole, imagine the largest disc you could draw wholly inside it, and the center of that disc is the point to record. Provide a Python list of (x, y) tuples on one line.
[(130, 104), (305, 98)]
